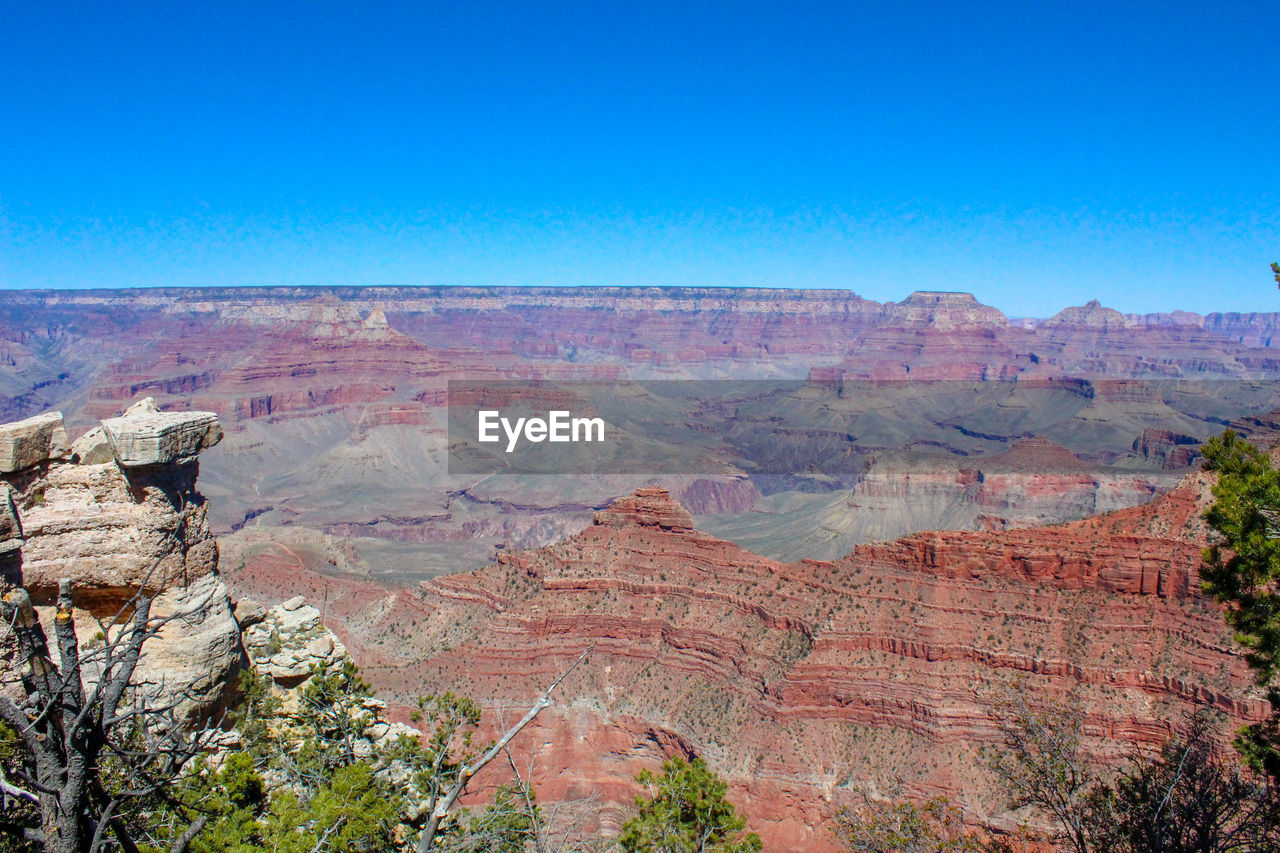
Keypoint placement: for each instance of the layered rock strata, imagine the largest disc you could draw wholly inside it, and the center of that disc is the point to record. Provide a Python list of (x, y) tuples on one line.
[(800, 682), (333, 398), (132, 521)]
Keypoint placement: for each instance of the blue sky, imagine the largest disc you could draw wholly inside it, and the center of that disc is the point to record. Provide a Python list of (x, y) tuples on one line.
[(1036, 154)]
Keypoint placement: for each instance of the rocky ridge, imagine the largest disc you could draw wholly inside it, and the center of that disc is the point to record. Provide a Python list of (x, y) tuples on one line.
[(288, 644), (1035, 482), (1092, 314), (288, 640)]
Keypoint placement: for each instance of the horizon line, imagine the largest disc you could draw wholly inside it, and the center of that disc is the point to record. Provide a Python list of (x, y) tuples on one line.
[(553, 289)]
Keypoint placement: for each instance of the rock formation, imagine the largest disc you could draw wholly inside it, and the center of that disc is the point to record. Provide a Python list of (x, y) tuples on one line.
[(1091, 315), (288, 644), (796, 679), (29, 442), (118, 522), (944, 311), (332, 398), (800, 681), (288, 640), (159, 438)]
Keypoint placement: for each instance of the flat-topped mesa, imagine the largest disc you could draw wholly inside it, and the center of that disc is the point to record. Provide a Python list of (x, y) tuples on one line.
[(646, 508), (946, 298), (1091, 315), (1035, 453)]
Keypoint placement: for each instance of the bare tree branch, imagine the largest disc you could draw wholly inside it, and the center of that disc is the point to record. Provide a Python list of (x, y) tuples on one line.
[(11, 790), (183, 841), (523, 787), (68, 731), (442, 808)]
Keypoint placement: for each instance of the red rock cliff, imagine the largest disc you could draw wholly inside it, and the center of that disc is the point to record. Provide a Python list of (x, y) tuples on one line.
[(801, 680)]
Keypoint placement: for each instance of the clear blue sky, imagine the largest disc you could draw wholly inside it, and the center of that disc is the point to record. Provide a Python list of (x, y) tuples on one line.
[(1036, 154)]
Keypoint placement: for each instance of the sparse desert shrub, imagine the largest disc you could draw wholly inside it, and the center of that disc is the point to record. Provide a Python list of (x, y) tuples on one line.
[(1189, 798), (901, 826)]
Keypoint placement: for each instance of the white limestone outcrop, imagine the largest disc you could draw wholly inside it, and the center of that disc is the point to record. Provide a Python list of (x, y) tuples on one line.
[(116, 513)]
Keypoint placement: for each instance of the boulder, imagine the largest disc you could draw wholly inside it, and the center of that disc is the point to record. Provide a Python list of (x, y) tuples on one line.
[(144, 438), (389, 733), (112, 529), (298, 621), (93, 448), (321, 647), (145, 405), (29, 442), (199, 654), (59, 443), (249, 612), (287, 666)]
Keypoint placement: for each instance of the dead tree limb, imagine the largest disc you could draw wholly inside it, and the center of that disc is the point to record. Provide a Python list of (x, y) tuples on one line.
[(11, 790), (530, 806), (183, 841), (442, 808), (68, 730)]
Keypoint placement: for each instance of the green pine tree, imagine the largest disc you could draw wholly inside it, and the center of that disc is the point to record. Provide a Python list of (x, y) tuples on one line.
[(1241, 570), (686, 812)]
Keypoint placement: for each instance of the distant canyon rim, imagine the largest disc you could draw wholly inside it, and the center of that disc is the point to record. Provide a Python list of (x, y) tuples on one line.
[(333, 400), (1026, 513)]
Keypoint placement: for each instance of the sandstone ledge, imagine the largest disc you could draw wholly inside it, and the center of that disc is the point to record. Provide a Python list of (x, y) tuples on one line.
[(159, 438), (116, 512), (29, 442), (74, 512)]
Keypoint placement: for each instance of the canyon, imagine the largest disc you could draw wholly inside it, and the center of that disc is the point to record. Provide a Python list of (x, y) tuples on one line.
[(1016, 509), (334, 404), (804, 682)]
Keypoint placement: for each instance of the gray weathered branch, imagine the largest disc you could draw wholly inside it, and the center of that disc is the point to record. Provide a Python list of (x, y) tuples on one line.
[(427, 842)]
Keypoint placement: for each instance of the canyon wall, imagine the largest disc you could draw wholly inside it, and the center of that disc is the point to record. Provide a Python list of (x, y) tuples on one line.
[(803, 682), (875, 663), (333, 400)]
